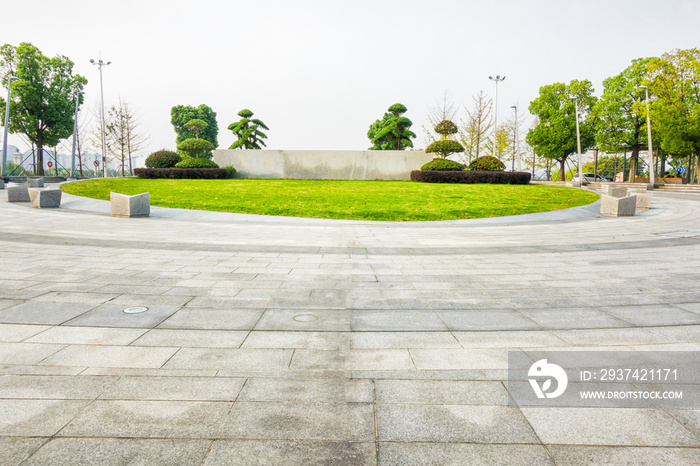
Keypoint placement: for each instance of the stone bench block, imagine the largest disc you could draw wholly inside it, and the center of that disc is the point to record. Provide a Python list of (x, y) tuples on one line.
[(45, 198), (18, 193), (617, 191), (2, 183), (35, 182), (618, 206), (130, 206), (643, 200)]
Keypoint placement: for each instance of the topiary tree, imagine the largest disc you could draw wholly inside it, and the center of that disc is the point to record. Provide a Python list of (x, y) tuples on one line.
[(247, 131), (162, 159), (445, 146), (442, 165), (180, 115), (392, 132), (195, 146), (487, 163), (196, 126), (191, 162)]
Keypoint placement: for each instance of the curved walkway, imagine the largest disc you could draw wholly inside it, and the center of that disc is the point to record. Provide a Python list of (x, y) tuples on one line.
[(332, 342)]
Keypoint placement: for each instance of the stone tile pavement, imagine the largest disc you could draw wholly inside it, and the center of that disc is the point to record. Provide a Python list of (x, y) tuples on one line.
[(299, 341)]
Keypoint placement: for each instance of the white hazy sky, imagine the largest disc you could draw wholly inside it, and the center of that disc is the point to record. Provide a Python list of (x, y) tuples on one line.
[(318, 73)]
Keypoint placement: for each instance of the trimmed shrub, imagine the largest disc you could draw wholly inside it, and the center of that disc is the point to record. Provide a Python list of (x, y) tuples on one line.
[(444, 147), (492, 177), (487, 163), (163, 159), (182, 173), (191, 162), (446, 127), (230, 171), (442, 165)]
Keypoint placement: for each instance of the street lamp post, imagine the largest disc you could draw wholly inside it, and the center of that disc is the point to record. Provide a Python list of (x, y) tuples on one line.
[(75, 133), (651, 150), (7, 122), (516, 146), (578, 145), (100, 64), (497, 80)]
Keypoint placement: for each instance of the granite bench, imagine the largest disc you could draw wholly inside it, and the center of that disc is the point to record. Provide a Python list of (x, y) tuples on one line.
[(618, 206), (42, 198), (122, 205), (19, 193)]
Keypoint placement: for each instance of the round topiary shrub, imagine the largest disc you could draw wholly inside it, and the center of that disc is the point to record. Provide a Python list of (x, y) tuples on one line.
[(487, 163), (163, 159), (442, 165), (444, 147), (191, 162)]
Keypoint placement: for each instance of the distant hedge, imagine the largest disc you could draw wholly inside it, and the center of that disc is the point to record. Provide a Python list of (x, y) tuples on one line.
[(182, 173), (492, 177)]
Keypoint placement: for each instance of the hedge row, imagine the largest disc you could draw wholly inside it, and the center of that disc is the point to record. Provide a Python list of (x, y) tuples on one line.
[(471, 176), (182, 173)]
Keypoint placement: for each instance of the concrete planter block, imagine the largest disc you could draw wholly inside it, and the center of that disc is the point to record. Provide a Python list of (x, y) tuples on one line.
[(130, 206), (45, 198), (617, 191), (35, 182), (18, 193), (618, 206), (643, 200)]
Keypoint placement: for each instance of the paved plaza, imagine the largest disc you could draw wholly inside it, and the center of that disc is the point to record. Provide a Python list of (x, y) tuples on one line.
[(297, 341)]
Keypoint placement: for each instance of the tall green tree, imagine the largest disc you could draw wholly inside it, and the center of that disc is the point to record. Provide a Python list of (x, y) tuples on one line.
[(620, 119), (247, 131), (42, 101), (675, 89), (554, 137), (393, 131), (180, 115)]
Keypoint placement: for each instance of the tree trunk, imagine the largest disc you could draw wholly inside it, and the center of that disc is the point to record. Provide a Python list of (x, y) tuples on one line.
[(688, 169), (634, 157), (697, 167), (39, 154), (662, 174), (562, 169)]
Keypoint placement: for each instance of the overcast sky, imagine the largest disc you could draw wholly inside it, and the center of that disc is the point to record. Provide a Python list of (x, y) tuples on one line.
[(318, 73)]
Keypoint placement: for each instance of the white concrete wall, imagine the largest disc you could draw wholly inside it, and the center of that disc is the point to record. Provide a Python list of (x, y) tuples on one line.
[(323, 165)]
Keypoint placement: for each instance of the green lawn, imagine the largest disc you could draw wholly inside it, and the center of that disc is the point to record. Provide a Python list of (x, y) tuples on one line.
[(357, 200)]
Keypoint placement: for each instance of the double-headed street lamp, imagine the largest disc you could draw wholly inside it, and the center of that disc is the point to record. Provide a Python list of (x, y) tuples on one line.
[(75, 133), (7, 122), (100, 64), (497, 80), (651, 150)]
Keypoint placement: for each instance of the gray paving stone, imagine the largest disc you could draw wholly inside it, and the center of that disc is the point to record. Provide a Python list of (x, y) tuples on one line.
[(441, 392), (105, 451), (622, 455), (351, 422), (459, 454), (213, 319), (352, 360), (87, 336), (654, 315), (148, 419), (562, 319), (459, 359), (308, 390), (453, 423), (244, 359), (309, 340), (71, 297), (258, 452), (487, 320), (56, 387), (403, 320), (110, 356), (26, 353), (192, 338), (608, 426), (18, 332), (36, 418), (46, 313), (508, 339), (367, 340), (113, 315), (174, 388), (298, 319), (15, 450)]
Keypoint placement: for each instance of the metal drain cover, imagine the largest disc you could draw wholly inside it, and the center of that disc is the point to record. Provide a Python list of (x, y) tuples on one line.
[(135, 310)]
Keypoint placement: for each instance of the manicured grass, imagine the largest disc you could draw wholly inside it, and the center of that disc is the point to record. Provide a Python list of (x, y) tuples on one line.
[(357, 200)]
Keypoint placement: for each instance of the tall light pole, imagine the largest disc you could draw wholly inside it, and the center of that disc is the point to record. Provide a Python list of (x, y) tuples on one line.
[(75, 133), (7, 122), (497, 80), (516, 146), (651, 150), (578, 145), (100, 64)]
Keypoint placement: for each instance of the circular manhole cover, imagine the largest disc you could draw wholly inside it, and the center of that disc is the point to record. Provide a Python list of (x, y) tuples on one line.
[(305, 318), (135, 310)]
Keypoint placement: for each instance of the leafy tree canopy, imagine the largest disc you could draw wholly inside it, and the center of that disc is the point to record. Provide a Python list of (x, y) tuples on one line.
[(195, 146), (393, 131), (196, 126), (247, 131), (42, 101), (180, 115)]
